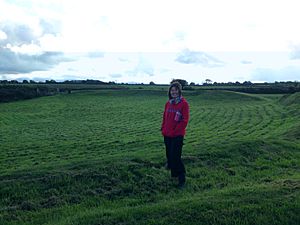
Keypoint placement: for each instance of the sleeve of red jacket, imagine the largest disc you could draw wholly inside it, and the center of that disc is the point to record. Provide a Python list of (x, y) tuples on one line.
[(164, 118), (185, 118)]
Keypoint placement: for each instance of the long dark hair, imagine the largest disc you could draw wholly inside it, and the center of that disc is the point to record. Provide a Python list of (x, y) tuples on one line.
[(177, 85)]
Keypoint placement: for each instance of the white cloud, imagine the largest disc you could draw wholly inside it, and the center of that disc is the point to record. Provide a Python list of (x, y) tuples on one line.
[(136, 25), (30, 49), (15, 63), (21, 52), (142, 67), (295, 54), (240, 29), (187, 56), (246, 62), (115, 75), (124, 59), (3, 35), (95, 54)]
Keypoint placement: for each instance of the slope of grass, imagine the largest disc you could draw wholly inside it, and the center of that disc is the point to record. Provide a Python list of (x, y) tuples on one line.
[(96, 157), (291, 99)]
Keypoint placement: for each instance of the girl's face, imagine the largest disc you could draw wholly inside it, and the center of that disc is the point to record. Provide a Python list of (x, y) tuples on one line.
[(174, 92)]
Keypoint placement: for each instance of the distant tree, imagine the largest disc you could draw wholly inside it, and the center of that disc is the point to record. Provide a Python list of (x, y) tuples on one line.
[(208, 81), (181, 81), (152, 83), (25, 82), (50, 82), (247, 83), (90, 81), (192, 84)]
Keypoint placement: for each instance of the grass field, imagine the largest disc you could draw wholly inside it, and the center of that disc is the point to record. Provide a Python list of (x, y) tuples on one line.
[(96, 157)]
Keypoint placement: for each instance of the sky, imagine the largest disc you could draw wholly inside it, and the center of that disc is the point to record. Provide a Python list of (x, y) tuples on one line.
[(141, 41)]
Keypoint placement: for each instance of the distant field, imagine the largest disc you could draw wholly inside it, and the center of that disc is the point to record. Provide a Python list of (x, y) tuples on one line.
[(97, 156)]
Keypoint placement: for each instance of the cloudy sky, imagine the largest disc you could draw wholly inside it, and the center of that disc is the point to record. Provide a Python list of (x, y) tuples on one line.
[(157, 40)]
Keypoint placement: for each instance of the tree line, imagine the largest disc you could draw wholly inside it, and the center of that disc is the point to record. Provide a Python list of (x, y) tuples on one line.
[(88, 81), (14, 90), (184, 83)]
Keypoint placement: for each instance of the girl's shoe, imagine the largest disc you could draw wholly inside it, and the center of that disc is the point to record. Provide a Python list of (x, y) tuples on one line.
[(181, 180)]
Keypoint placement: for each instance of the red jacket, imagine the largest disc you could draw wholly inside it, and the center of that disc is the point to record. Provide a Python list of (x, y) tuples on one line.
[(173, 125)]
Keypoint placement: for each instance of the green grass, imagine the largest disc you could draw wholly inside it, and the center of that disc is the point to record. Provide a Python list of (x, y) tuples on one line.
[(96, 157)]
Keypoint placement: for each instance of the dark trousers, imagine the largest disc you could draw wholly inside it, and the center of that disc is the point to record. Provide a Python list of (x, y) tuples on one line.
[(173, 154)]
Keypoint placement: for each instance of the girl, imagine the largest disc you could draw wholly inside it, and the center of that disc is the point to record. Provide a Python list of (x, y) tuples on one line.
[(175, 120)]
